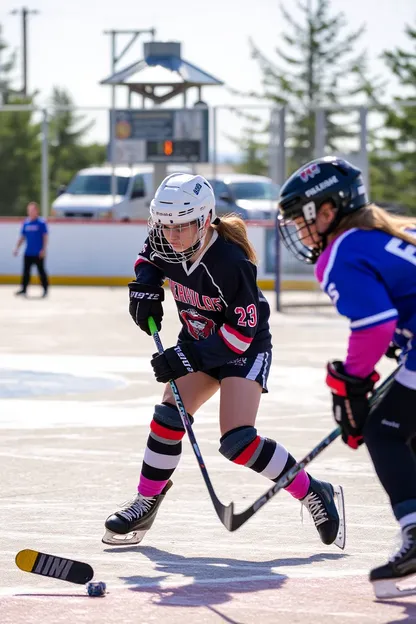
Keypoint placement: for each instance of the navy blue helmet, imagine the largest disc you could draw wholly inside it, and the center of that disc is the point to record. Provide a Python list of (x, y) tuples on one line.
[(327, 179)]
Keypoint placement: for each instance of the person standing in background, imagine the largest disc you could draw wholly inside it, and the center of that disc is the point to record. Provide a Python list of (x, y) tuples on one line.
[(35, 232)]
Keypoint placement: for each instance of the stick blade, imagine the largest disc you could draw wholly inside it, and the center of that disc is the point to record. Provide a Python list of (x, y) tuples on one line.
[(54, 567), (226, 514)]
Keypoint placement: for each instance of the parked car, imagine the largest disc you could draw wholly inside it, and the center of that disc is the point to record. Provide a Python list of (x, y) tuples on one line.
[(250, 196), (88, 195)]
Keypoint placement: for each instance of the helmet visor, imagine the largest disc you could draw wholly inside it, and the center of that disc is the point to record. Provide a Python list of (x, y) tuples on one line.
[(177, 242)]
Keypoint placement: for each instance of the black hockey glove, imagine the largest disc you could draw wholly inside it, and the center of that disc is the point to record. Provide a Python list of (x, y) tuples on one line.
[(174, 362), (350, 403), (146, 300)]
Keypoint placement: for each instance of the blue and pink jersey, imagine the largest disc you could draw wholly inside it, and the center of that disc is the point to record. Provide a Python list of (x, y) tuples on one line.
[(370, 277)]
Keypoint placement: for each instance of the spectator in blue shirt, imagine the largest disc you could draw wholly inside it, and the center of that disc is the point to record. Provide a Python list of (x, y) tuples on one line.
[(35, 232)]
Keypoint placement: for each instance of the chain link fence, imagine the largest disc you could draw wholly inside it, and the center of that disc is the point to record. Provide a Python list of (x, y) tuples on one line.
[(38, 153)]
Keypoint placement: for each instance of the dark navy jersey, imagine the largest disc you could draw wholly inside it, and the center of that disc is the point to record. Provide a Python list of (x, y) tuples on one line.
[(219, 303), (371, 278)]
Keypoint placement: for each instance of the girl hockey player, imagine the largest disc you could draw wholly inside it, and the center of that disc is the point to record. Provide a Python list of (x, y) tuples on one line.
[(224, 343), (366, 263)]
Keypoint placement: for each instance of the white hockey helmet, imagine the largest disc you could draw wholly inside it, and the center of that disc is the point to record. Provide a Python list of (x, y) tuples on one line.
[(182, 200)]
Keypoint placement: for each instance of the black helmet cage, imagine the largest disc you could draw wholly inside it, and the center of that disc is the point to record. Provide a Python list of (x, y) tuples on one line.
[(303, 206), (292, 234)]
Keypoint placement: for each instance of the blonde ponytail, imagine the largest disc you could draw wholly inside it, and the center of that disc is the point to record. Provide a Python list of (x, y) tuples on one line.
[(233, 229), (373, 217)]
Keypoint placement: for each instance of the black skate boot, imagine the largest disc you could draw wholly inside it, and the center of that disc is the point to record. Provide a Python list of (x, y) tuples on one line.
[(129, 525), (329, 521), (398, 569)]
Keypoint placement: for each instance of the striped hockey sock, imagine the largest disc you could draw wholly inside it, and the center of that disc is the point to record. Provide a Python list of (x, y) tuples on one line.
[(163, 450), (269, 458)]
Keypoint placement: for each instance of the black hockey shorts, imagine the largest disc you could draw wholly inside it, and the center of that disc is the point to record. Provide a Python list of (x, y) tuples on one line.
[(256, 368), (395, 415), (390, 435)]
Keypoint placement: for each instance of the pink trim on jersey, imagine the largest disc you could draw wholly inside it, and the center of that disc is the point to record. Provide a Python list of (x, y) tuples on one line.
[(140, 259), (327, 258), (233, 339), (367, 346), (321, 265)]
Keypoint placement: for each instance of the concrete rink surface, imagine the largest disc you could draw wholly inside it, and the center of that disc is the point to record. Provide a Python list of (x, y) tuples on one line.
[(76, 399)]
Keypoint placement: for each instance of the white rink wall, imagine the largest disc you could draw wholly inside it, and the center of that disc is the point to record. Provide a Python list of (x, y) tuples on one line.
[(86, 252)]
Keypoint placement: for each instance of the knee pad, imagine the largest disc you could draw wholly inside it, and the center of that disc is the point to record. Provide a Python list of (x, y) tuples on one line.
[(167, 415), (234, 442)]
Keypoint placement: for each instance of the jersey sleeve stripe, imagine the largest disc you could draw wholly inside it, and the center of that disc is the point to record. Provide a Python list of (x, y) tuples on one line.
[(332, 257), (141, 259), (237, 334), (234, 342), (374, 319)]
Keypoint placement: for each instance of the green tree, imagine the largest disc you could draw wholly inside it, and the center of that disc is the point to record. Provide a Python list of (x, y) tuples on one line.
[(254, 154), (318, 65), (19, 161), (67, 134), (393, 170), (19, 145)]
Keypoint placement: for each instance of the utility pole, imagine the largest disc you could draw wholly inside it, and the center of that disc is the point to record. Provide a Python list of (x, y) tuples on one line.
[(24, 12), (115, 58)]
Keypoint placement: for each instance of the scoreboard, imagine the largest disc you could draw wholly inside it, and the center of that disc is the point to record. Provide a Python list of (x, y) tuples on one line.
[(173, 151), (159, 135)]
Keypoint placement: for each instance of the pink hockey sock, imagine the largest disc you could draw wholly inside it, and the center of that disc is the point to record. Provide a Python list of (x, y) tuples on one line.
[(299, 486), (148, 487)]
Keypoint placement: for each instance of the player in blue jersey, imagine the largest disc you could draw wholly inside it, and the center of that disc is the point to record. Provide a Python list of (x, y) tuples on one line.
[(224, 344), (366, 262), (34, 231)]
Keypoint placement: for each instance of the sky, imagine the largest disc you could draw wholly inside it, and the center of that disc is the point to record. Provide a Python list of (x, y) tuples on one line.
[(67, 47)]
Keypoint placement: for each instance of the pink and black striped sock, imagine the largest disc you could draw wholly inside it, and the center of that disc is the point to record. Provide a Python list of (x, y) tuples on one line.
[(163, 450), (269, 458)]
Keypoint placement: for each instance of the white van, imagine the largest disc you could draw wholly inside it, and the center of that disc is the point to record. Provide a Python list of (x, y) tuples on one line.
[(88, 195)]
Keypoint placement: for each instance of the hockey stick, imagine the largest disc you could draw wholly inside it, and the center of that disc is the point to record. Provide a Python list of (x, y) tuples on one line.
[(225, 513), (234, 521), (219, 507)]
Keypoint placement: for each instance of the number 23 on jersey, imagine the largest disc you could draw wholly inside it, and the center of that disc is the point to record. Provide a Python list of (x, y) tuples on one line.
[(247, 316)]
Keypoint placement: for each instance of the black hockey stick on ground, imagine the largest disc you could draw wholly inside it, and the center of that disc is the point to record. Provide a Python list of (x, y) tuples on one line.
[(225, 513)]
